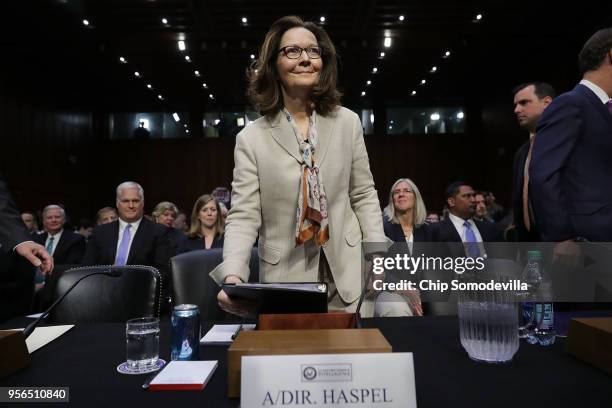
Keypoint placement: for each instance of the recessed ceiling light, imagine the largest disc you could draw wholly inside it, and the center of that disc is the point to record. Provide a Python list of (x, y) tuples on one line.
[(401, 18), (435, 116), (164, 20), (85, 22), (413, 93), (185, 125), (122, 60), (176, 117), (252, 56), (204, 85), (149, 86), (368, 82), (447, 54), (434, 69), (137, 74), (196, 73), (363, 93), (374, 70), (211, 96), (181, 45), (187, 58), (322, 19), (479, 17), (423, 82), (161, 98), (244, 20), (382, 54), (186, 130), (387, 42), (460, 115)]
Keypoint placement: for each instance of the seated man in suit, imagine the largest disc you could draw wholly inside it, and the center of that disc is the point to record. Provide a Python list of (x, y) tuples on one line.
[(460, 226), (66, 247), (132, 239)]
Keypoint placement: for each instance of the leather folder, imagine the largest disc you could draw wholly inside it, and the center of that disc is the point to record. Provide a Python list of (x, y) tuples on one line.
[(281, 298)]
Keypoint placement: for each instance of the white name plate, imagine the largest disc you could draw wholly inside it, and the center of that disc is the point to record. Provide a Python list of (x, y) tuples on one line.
[(328, 380)]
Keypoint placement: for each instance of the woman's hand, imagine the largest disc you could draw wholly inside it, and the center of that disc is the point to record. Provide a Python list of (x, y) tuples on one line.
[(242, 308)]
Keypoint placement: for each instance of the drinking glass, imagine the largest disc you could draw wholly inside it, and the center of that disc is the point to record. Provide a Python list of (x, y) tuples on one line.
[(142, 338)]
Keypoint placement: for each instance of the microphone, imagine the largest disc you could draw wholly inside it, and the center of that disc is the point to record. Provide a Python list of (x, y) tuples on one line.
[(115, 273)]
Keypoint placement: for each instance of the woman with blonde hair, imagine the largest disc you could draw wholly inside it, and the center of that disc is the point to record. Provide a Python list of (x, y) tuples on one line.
[(206, 229)]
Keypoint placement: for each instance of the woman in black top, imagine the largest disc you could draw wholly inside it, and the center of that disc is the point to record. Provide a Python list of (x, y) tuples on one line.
[(206, 226)]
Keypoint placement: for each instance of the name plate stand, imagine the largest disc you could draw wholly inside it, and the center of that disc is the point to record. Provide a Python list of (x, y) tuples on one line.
[(329, 380)]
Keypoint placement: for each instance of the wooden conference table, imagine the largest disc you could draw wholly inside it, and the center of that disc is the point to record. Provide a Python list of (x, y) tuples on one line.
[(86, 357)]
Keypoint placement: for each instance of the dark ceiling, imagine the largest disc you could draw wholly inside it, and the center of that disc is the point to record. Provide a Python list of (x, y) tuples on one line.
[(50, 56)]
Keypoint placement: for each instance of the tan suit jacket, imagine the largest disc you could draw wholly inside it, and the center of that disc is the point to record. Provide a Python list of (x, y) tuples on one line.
[(264, 198)]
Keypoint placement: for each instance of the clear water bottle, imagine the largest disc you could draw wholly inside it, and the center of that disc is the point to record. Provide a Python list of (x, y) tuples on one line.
[(532, 276)]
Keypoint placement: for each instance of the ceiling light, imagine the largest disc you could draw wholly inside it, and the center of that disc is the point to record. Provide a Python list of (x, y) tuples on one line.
[(374, 70), (164, 21), (401, 18), (322, 19), (387, 42), (368, 82), (196, 73), (447, 54), (435, 116), (187, 58), (363, 93), (211, 96), (413, 93), (185, 125), (122, 60), (204, 85), (423, 82), (252, 56), (161, 98), (137, 74), (382, 54), (244, 20), (149, 86), (434, 69), (181, 45), (460, 115), (85, 22), (186, 130), (176, 117), (479, 17)]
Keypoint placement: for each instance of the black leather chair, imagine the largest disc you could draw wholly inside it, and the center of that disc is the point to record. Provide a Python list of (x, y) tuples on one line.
[(101, 298), (192, 284)]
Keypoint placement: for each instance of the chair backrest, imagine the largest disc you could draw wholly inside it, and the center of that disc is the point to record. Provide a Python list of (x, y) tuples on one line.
[(192, 284), (102, 298)]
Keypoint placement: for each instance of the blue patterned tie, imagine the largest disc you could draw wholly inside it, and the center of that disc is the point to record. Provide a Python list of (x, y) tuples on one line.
[(122, 254), (471, 247), (49, 247)]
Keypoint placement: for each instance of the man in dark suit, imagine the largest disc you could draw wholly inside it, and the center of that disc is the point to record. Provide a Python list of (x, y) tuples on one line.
[(530, 100), (460, 226), (132, 239), (17, 272), (66, 247), (571, 167)]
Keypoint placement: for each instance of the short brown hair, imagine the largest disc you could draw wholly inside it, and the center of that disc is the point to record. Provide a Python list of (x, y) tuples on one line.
[(264, 90), (196, 225)]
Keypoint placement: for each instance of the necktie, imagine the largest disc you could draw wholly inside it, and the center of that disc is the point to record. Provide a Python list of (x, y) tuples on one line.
[(609, 106), (50, 245), (471, 243), (526, 217), (124, 246)]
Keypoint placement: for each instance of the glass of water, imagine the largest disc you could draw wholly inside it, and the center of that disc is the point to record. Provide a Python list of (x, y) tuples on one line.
[(488, 324), (142, 338)]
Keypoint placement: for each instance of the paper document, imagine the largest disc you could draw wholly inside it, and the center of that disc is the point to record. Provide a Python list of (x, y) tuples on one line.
[(34, 316), (43, 335), (184, 375), (221, 334)]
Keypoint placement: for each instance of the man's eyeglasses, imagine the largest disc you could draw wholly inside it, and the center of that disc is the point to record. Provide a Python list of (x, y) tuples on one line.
[(295, 52)]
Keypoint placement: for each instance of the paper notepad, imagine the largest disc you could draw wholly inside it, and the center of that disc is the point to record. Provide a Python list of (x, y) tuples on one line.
[(184, 375), (43, 335), (221, 334)]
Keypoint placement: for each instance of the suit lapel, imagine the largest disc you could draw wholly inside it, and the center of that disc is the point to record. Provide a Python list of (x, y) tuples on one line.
[(141, 233), (324, 127), (596, 102), (283, 133), (60, 245), (113, 239)]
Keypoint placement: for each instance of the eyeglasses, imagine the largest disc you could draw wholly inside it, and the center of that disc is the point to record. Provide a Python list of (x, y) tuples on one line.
[(404, 191), (295, 52)]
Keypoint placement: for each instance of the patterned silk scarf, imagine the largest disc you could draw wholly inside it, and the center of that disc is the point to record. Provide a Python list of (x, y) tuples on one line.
[(311, 216)]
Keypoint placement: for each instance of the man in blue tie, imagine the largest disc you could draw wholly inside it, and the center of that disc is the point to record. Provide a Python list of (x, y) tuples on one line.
[(461, 227), (132, 239)]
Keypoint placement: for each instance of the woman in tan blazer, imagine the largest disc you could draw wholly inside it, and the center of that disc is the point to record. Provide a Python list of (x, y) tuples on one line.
[(302, 177)]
